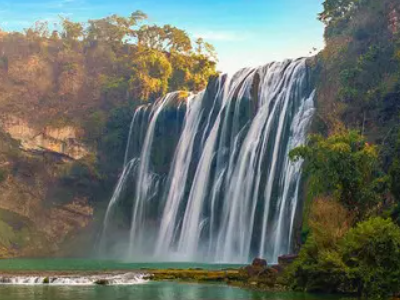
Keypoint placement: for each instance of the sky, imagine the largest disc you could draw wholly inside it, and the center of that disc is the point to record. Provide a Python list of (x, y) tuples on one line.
[(245, 33)]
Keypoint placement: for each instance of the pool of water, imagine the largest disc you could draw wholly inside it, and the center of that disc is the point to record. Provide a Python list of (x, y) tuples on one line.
[(146, 291), (138, 290), (97, 265)]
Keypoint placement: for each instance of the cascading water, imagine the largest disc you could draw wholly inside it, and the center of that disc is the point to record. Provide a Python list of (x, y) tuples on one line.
[(226, 190)]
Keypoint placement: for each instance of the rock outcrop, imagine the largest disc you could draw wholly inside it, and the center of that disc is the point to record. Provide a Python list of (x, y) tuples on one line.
[(394, 18), (63, 140)]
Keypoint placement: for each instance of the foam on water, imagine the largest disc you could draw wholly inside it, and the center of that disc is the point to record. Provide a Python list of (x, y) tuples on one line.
[(122, 279)]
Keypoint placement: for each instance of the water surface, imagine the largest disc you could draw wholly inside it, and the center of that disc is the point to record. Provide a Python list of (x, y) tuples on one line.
[(147, 291), (138, 291), (81, 265)]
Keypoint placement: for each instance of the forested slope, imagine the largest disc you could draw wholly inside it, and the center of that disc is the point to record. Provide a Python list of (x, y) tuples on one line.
[(67, 95)]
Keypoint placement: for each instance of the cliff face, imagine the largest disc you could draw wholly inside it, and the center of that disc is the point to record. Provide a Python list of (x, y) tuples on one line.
[(41, 208), (62, 140)]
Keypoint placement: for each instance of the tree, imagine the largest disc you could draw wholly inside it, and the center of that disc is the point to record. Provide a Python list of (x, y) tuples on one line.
[(72, 31), (150, 76), (345, 166), (177, 40), (336, 9), (114, 29), (152, 37), (166, 38)]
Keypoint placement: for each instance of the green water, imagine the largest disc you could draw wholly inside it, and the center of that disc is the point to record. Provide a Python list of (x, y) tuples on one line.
[(145, 291), (96, 265), (148, 291)]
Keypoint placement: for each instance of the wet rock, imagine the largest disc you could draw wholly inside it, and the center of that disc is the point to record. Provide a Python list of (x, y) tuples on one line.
[(259, 263), (102, 282), (256, 268), (286, 260)]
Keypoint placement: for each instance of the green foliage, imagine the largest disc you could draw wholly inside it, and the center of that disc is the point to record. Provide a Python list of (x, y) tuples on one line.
[(317, 270), (364, 261), (114, 138), (372, 253), (319, 266), (344, 166), (94, 127), (336, 10), (394, 179), (151, 73), (108, 62), (394, 171), (359, 71)]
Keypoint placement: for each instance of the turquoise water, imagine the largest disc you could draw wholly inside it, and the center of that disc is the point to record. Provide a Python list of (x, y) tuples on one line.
[(143, 291), (148, 291), (96, 265)]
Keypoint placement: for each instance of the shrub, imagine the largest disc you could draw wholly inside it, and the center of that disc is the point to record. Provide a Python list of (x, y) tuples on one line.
[(319, 267), (372, 253), (365, 261), (329, 221)]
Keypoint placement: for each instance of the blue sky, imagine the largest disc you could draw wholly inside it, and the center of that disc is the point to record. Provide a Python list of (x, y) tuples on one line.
[(244, 32)]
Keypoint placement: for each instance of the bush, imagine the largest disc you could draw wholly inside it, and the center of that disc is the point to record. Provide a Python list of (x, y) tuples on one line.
[(317, 269), (366, 261), (329, 221), (320, 267), (372, 253)]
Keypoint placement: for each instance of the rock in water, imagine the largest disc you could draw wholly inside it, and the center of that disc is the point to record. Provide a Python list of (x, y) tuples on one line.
[(259, 262)]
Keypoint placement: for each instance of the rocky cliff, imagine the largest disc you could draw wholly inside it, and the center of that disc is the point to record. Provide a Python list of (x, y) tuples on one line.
[(63, 141), (39, 210)]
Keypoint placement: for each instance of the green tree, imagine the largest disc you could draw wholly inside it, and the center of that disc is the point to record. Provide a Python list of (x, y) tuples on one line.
[(345, 166), (336, 9), (151, 73)]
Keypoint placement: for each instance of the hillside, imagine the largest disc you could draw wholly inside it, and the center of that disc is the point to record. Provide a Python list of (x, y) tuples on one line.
[(66, 100)]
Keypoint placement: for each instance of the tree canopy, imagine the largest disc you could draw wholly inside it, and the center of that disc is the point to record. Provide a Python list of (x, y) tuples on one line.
[(345, 166)]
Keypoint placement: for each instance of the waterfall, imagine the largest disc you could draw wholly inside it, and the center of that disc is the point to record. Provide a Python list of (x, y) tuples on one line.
[(213, 182)]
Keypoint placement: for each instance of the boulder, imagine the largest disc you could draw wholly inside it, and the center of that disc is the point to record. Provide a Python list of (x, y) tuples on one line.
[(259, 263)]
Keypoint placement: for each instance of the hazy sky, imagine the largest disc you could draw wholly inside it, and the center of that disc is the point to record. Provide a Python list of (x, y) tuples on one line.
[(244, 32)]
